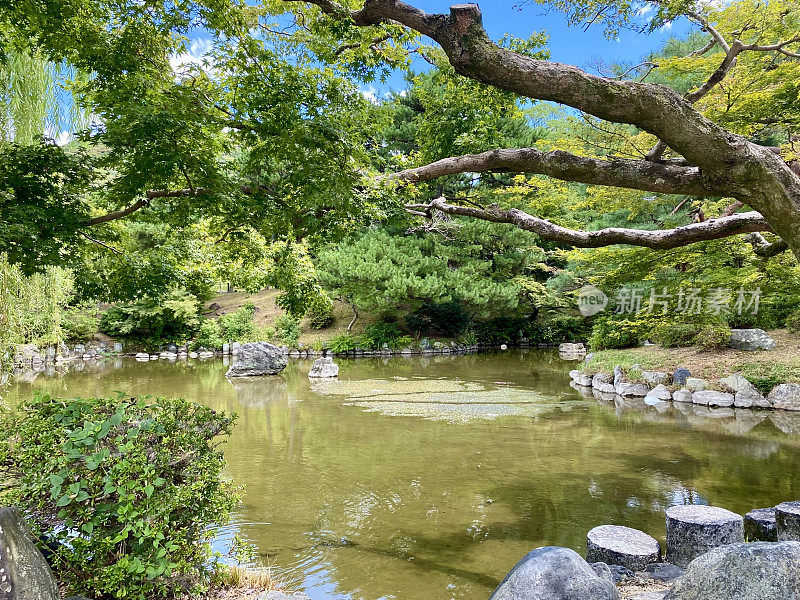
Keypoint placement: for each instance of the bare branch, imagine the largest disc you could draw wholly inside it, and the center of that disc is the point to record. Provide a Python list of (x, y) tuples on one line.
[(659, 239), (764, 248), (631, 174)]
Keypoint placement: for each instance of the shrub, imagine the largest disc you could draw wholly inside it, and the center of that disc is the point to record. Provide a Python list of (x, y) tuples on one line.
[(287, 330), (155, 320), (375, 336), (344, 343), (126, 490), (793, 322), (712, 337), (447, 318), (321, 317), (78, 325), (560, 328), (238, 325), (210, 335), (675, 335), (610, 332)]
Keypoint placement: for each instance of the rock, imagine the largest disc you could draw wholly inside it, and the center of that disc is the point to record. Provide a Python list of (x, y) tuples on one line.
[(751, 340), (171, 348), (214, 306), (759, 525), (694, 384), (712, 398), (193, 355), (693, 530), (24, 573), (682, 395), (618, 545), (654, 378), (662, 571), (118, 347), (503, 347), (660, 392), (572, 348), (553, 573), (787, 422), (256, 359), (603, 382), (618, 573), (757, 571), (571, 351), (632, 389), (785, 396), (581, 378), (787, 521), (680, 376), (324, 367), (142, 356), (745, 393)]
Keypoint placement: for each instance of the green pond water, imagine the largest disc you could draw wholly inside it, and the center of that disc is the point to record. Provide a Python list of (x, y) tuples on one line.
[(420, 478)]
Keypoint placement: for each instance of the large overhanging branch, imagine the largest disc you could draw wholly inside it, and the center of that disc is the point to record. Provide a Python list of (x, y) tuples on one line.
[(652, 108), (631, 174), (664, 239)]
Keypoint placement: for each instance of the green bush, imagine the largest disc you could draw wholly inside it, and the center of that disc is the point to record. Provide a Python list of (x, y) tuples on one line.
[(674, 335), (210, 335), (287, 330), (127, 490), (375, 336), (79, 325), (344, 343), (154, 320), (321, 317), (712, 337), (238, 326), (614, 332), (793, 322), (558, 329)]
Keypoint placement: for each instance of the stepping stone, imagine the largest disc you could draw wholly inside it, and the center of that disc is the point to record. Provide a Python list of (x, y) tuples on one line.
[(787, 520), (759, 525), (618, 545), (695, 529)]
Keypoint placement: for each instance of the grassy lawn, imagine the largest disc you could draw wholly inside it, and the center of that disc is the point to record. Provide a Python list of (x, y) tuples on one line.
[(764, 368)]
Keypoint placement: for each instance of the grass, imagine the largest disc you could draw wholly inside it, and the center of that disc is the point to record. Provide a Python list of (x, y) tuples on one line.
[(236, 583), (764, 368), (267, 311)]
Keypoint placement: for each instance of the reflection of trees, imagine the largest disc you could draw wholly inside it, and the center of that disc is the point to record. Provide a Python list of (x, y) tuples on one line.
[(384, 505)]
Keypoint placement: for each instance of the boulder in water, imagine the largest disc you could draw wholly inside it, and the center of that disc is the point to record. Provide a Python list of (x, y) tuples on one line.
[(257, 359), (553, 573), (755, 571), (324, 367)]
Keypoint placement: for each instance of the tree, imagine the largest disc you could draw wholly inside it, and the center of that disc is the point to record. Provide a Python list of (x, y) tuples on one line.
[(267, 133), (706, 159)]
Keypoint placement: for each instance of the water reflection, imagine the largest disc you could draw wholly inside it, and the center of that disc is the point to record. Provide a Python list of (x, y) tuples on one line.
[(351, 499)]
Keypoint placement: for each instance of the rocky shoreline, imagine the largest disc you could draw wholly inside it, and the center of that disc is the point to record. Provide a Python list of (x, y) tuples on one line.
[(706, 557), (734, 391)]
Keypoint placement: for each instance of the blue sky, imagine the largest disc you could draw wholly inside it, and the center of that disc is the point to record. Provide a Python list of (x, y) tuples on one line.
[(567, 44)]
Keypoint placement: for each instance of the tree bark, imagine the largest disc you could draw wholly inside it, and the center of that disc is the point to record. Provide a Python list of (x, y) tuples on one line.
[(727, 162)]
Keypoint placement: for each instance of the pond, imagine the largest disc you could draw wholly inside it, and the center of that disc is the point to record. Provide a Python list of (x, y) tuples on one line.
[(419, 478)]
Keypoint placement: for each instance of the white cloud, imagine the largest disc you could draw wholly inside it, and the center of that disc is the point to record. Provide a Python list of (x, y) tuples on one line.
[(370, 93), (198, 49)]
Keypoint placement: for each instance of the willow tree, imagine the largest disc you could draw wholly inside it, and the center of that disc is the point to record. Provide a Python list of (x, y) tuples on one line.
[(268, 131)]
